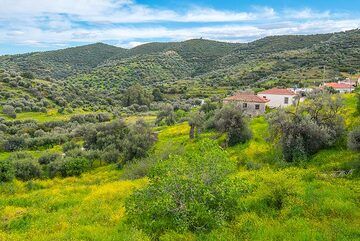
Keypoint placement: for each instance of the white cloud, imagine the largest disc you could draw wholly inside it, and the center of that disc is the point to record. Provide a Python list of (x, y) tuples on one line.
[(306, 13), (59, 23)]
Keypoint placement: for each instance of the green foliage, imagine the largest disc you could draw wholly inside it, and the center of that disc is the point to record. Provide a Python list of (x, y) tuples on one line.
[(70, 145), (354, 139), (231, 120), (196, 122), (136, 95), (74, 166), (104, 135), (166, 115), (9, 111), (315, 125), (193, 193), (138, 141), (61, 63), (26, 169), (7, 171)]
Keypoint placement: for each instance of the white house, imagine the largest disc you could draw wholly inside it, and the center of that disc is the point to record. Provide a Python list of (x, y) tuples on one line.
[(278, 97), (341, 87)]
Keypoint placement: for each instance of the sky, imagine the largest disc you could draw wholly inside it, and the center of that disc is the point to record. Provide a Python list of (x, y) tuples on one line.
[(41, 25)]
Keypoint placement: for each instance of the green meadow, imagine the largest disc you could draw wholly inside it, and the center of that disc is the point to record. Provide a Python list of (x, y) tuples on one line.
[(306, 201)]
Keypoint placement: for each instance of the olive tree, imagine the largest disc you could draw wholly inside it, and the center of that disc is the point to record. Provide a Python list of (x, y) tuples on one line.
[(314, 125), (231, 120), (196, 120)]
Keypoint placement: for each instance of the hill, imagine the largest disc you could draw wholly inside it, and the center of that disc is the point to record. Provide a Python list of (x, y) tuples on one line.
[(287, 60), (61, 63)]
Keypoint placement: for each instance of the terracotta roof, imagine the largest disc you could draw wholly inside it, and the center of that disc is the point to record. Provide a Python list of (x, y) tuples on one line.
[(247, 98), (339, 85), (276, 91)]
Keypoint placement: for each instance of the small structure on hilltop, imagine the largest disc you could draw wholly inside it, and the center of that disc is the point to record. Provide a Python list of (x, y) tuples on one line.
[(279, 97), (340, 87), (249, 103)]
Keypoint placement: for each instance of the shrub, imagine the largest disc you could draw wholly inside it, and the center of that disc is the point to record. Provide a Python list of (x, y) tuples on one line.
[(111, 155), (26, 169), (7, 171), (188, 193), (9, 111), (354, 139), (48, 158), (14, 143), (74, 166), (70, 145), (138, 168)]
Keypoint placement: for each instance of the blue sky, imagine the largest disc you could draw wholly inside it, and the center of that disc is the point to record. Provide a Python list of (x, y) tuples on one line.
[(40, 25)]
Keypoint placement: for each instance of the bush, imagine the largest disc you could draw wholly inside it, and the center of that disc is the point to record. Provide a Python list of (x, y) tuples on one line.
[(48, 158), (70, 145), (354, 140), (7, 171), (110, 155), (9, 111), (74, 166), (188, 193), (27, 169), (14, 143), (138, 168)]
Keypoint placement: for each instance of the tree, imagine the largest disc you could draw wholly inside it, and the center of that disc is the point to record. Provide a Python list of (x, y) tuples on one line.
[(136, 94), (316, 124), (166, 116), (9, 111), (196, 120), (231, 120), (138, 141), (157, 95), (100, 136)]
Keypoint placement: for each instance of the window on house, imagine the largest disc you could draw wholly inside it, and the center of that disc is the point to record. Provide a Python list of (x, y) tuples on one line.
[(264, 96), (257, 107), (286, 100), (244, 105)]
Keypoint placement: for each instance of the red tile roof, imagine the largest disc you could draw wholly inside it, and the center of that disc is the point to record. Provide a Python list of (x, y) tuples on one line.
[(339, 85), (276, 91), (247, 98)]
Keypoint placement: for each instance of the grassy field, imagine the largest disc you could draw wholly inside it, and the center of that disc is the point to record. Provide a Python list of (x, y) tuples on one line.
[(287, 202)]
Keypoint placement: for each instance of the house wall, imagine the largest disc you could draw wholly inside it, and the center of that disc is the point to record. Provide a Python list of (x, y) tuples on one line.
[(278, 100), (345, 90), (250, 110)]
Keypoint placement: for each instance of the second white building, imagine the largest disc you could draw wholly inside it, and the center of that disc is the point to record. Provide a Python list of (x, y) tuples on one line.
[(278, 97)]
